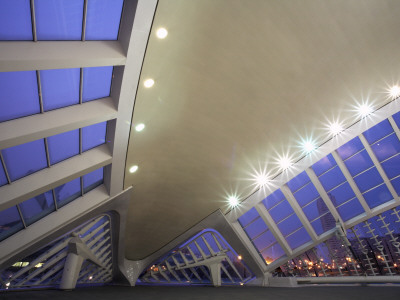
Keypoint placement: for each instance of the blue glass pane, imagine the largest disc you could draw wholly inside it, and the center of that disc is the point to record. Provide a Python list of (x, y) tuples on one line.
[(96, 83), (248, 217), (350, 210), (25, 159), (68, 192), (323, 224), (358, 163), (3, 178), (37, 207), (315, 209), (377, 196), (350, 148), (368, 179), (332, 178), (272, 253), (264, 240), (92, 180), (396, 118), (15, 20), (63, 146), (289, 225), (60, 88), (341, 194), (306, 194), (273, 199), (281, 211), (396, 184), (392, 166), (298, 181), (255, 228), (19, 95), (103, 18), (59, 20), (387, 147), (10, 222), (378, 131), (93, 136), (298, 238), (324, 165)]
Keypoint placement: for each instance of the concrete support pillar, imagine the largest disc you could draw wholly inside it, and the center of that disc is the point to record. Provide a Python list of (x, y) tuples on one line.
[(71, 271), (215, 270)]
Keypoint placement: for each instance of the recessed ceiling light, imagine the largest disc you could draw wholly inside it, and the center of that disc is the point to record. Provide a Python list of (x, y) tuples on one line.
[(162, 33), (335, 128), (364, 110), (394, 91), (284, 163), (148, 83), (308, 146), (133, 169), (140, 127), (233, 201), (262, 180)]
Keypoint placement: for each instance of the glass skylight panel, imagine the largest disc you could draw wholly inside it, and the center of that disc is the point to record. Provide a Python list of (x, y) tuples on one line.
[(25, 159), (63, 146), (358, 163), (298, 238), (93, 135), (96, 83), (396, 118), (306, 194), (298, 182), (350, 148), (377, 196), (248, 217), (103, 19), (289, 224), (19, 96), (368, 179), (281, 211), (341, 194), (255, 228), (264, 240), (60, 88), (59, 20), (378, 131), (350, 209), (92, 180), (324, 165), (273, 199), (323, 224), (386, 147), (3, 177), (15, 20), (332, 178), (10, 222), (68, 192), (315, 209), (37, 207), (272, 253)]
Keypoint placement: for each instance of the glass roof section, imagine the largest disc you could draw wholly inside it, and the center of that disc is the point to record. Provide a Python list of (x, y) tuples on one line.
[(29, 211), (15, 20)]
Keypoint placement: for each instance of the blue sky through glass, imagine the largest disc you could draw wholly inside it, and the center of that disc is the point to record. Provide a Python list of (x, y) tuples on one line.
[(93, 136), (63, 146), (15, 20), (10, 222), (96, 83)]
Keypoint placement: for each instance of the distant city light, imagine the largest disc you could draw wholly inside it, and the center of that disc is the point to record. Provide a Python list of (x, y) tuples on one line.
[(140, 127), (148, 83), (364, 110), (394, 91), (162, 33), (133, 169), (239, 257), (233, 201)]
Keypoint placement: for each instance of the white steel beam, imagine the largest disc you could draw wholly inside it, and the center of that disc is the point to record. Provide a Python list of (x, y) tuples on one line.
[(31, 128), (49, 178), (266, 217), (43, 55), (299, 212)]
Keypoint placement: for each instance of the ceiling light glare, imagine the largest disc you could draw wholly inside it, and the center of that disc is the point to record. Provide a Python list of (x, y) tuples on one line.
[(133, 169), (148, 83), (284, 163), (262, 180), (364, 110), (394, 91), (140, 127), (335, 128), (233, 201), (162, 33), (308, 146)]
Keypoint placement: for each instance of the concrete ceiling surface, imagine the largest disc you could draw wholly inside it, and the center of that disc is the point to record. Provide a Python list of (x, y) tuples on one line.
[(238, 83)]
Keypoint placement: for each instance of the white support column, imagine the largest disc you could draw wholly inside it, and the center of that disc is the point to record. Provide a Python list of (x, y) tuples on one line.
[(379, 168), (43, 55), (351, 182), (299, 212), (320, 189), (264, 214), (215, 270)]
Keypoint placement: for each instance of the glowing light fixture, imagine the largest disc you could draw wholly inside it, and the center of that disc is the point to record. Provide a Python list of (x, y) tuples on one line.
[(139, 127), (162, 33), (284, 163), (239, 257), (233, 201), (364, 110), (335, 128), (308, 146), (148, 83), (133, 169), (394, 91), (262, 180)]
